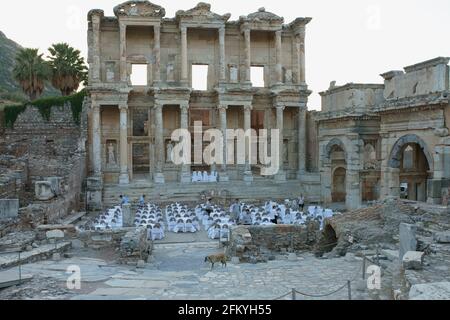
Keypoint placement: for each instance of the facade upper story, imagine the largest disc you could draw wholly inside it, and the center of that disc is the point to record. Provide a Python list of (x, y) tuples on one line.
[(140, 34), (424, 84)]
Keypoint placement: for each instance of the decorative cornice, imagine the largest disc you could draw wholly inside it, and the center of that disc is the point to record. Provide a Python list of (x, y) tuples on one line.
[(95, 12)]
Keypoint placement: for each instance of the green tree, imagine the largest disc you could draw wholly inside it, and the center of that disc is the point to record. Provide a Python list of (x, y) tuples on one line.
[(67, 67), (31, 71)]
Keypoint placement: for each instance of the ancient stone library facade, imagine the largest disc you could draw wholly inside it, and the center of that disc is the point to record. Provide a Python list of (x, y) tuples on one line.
[(369, 142)]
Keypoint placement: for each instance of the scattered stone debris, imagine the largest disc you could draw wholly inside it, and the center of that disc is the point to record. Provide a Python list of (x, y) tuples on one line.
[(38, 288)]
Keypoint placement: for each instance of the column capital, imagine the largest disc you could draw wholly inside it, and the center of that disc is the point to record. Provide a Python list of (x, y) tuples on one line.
[(280, 107), (279, 33), (158, 106), (222, 30), (95, 106), (183, 29), (123, 106), (222, 107), (157, 28), (184, 107), (248, 107), (300, 32)]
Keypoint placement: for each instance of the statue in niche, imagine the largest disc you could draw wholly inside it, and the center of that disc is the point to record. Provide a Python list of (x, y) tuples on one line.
[(169, 152), (288, 76), (170, 72), (286, 152), (111, 154), (233, 74)]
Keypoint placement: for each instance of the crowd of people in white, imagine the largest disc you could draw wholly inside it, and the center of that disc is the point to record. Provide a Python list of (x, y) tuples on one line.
[(150, 216), (198, 176), (213, 219), (111, 219)]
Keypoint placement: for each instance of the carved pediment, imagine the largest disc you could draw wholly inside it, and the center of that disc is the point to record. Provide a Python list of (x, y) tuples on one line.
[(202, 11), (139, 8), (264, 16)]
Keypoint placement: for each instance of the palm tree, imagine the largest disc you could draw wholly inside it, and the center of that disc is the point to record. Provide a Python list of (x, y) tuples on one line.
[(31, 72), (68, 68)]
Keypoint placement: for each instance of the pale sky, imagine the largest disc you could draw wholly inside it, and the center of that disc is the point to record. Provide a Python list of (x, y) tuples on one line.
[(347, 40)]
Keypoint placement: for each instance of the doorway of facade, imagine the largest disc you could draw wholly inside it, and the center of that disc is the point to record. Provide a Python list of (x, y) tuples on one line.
[(414, 171), (141, 161), (338, 193)]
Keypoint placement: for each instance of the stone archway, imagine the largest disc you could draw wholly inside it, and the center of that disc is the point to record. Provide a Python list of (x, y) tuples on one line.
[(412, 164), (334, 157)]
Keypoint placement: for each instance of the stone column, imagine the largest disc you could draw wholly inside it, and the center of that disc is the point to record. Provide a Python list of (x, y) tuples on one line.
[(96, 21), (278, 46), (301, 142), (281, 175), (248, 55), (353, 189), (124, 177), (223, 176), (222, 72), (248, 175), (159, 143), (157, 51), (184, 57), (301, 63), (123, 53), (185, 168), (96, 141)]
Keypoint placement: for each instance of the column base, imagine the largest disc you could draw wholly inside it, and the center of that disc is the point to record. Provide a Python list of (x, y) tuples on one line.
[(280, 176), (185, 177), (248, 176), (124, 178), (223, 177), (159, 178), (301, 174)]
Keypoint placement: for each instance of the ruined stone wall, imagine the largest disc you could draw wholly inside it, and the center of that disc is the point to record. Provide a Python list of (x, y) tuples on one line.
[(261, 243), (46, 148), (421, 79)]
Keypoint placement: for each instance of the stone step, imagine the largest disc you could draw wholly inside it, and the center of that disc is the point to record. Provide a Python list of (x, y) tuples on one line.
[(43, 252)]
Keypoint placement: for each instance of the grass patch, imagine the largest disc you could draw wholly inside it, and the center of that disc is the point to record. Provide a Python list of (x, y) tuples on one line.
[(44, 106)]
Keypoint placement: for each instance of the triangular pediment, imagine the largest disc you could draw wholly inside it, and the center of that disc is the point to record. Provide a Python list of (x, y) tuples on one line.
[(263, 15), (202, 12), (139, 8)]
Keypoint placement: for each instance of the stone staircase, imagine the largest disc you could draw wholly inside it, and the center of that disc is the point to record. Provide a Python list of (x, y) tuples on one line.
[(260, 190)]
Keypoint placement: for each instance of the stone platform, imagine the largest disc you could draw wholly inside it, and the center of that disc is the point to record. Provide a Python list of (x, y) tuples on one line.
[(259, 190)]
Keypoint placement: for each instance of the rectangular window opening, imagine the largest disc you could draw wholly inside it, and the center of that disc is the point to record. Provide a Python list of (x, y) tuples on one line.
[(257, 76), (139, 75), (200, 77)]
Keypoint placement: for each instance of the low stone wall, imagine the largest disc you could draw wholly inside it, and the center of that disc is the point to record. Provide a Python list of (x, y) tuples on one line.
[(260, 243), (102, 239)]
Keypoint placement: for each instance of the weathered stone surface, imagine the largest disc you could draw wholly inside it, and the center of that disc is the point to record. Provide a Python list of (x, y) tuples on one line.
[(44, 191), (413, 260), (17, 240), (408, 241), (430, 291), (259, 243), (55, 234), (9, 209), (442, 237), (135, 246)]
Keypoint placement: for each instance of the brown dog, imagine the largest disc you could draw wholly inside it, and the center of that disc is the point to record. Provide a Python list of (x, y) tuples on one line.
[(213, 259)]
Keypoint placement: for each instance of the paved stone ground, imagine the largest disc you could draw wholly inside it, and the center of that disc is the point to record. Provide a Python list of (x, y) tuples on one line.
[(177, 272)]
